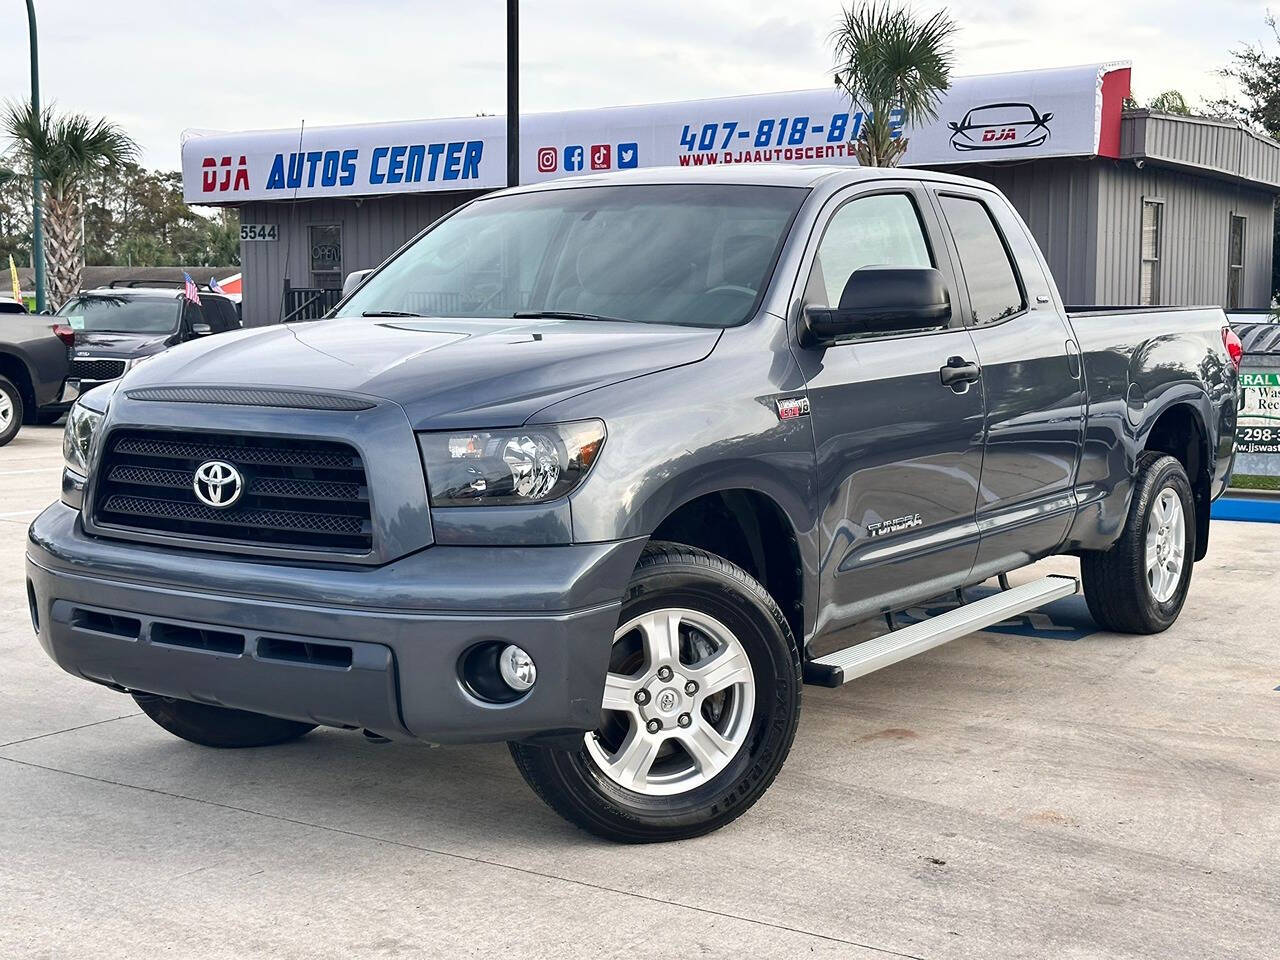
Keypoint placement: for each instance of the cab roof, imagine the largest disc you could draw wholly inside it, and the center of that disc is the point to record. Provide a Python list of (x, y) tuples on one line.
[(749, 174)]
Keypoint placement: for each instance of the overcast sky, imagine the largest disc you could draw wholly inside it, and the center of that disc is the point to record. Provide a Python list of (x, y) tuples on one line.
[(160, 66)]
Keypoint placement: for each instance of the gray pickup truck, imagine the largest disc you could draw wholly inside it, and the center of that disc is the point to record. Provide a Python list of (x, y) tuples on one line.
[(609, 468), (33, 369)]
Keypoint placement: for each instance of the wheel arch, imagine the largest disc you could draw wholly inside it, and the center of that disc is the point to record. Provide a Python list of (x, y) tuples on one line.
[(1179, 430), (15, 368), (749, 528)]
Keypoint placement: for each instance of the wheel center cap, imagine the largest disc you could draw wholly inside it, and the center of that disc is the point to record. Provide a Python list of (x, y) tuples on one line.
[(667, 701)]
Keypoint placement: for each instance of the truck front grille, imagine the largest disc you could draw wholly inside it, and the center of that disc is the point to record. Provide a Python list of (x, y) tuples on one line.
[(96, 369), (299, 494)]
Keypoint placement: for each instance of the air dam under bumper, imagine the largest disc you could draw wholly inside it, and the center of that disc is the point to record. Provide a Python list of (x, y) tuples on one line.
[(372, 647)]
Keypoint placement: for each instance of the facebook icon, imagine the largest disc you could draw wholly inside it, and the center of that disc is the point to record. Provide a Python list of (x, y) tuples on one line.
[(573, 157)]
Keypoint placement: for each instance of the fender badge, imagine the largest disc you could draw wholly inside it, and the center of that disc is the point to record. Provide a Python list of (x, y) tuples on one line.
[(791, 407), (896, 525)]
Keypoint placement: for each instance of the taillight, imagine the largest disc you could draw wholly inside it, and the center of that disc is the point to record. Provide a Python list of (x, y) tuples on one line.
[(1235, 349), (65, 334)]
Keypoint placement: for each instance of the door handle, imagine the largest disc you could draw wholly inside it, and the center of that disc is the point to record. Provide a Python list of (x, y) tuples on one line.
[(959, 371)]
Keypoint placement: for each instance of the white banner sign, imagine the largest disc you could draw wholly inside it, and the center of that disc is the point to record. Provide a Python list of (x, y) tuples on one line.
[(1064, 112)]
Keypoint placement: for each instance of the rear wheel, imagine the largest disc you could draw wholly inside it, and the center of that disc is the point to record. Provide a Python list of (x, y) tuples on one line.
[(700, 706), (212, 726), (10, 410), (1141, 583)]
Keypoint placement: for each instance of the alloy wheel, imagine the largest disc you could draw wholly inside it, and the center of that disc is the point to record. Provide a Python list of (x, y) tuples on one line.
[(678, 703), (1165, 552)]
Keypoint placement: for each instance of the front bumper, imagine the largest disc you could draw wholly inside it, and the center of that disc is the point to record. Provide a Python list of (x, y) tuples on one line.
[(341, 646)]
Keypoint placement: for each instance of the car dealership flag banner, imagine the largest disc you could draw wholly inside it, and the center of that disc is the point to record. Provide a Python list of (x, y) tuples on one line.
[(1066, 112)]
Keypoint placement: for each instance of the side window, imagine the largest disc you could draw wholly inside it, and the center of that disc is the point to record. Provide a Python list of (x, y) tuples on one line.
[(191, 315), (881, 230), (221, 314), (994, 291)]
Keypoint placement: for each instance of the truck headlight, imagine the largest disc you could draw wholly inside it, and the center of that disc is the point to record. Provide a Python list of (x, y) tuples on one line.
[(503, 467), (77, 437)]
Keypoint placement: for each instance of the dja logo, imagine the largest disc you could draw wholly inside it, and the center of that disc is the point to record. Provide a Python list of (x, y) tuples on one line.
[(996, 136), (237, 179)]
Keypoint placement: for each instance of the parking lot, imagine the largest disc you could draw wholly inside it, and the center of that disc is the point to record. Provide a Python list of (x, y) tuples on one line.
[(1038, 790)]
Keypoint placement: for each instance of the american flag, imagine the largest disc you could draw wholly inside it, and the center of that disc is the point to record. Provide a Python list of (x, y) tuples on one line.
[(214, 285), (189, 288)]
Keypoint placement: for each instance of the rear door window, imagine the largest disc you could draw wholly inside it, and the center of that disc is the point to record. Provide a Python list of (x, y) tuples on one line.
[(995, 292)]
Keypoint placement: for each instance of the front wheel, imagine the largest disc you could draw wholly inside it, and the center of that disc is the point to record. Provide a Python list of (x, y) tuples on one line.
[(700, 706), (1141, 583), (10, 410)]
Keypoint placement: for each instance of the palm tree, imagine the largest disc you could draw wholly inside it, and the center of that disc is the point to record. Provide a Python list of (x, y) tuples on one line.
[(67, 150), (888, 60)]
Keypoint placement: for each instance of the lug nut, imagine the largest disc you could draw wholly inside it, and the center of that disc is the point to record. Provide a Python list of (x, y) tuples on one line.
[(691, 687), (653, 726), (685, 720), (664, 673), (642, 697)]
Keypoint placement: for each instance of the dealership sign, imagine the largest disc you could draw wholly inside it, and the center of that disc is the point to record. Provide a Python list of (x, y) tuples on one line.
[(1258, 425), (1067, 112)]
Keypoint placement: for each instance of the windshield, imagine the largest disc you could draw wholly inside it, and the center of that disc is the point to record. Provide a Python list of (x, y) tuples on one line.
[(696, 254), (99, 313)]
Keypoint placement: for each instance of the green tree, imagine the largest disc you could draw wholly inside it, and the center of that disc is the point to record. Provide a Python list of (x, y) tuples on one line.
[(889, 61), (68, 150), (1255, 71)]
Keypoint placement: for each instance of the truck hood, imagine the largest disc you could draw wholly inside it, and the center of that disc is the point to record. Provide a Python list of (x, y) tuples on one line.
[(445, 373)]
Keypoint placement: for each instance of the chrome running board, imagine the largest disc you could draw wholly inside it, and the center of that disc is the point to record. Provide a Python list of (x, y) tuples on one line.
[(860, 659)]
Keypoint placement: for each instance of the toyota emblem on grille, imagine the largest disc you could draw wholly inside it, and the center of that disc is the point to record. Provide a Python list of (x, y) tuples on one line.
[(218, 484)]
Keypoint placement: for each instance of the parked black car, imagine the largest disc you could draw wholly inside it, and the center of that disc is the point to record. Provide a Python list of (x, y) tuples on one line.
[(118, 326), (33, 369)]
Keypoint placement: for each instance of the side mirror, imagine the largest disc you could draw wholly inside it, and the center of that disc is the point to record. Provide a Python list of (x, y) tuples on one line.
[(881, 300), (954, 127), (201, 329), (354, 279), (1046, 117)]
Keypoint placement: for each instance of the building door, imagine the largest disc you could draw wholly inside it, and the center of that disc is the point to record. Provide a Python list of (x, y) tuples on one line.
[(326, 255)]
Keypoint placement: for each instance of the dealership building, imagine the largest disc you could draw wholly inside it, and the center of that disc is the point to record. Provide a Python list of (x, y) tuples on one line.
[(1129, 206)]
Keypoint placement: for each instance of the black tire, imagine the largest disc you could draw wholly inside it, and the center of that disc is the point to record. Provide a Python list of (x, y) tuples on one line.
[(1115, 580), (219, 726), (13, 395), (674, 575)]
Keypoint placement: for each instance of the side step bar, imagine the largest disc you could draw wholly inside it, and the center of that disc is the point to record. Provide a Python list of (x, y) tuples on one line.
[(860, 659)]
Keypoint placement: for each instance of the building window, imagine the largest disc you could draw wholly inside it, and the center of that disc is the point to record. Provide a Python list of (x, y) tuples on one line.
[(1149, 277), (1235, 263), (326, 255)]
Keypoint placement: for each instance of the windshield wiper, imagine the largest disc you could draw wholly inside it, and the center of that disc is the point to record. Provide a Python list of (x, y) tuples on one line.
[(388, 313), (561, 315)]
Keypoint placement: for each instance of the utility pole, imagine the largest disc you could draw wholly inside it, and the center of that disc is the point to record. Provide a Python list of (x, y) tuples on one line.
[(37, 214), (513, 92)]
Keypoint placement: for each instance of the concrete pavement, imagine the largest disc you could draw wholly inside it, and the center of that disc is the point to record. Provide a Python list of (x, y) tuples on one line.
[(1041, 790)]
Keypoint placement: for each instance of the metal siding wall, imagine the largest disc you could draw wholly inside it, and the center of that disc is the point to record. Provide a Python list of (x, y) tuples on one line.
[(372, 229), (1196, 224), (1058, 200)]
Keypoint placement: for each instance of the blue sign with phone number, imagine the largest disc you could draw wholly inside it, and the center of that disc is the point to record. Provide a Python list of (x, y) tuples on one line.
[(781, 131)]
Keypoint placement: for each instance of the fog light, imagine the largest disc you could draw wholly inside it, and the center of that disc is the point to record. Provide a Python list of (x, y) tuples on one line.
[(517, 668)]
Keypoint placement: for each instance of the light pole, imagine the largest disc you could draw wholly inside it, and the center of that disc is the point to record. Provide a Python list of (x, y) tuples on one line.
[(37, 216), (513, 92)]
